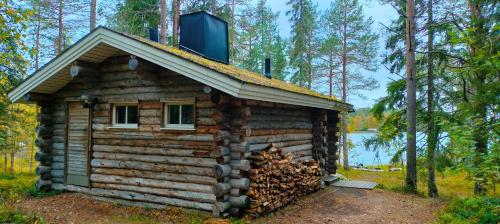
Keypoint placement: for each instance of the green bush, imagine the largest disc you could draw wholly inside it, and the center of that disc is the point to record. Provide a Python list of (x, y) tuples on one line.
[(483, 210)]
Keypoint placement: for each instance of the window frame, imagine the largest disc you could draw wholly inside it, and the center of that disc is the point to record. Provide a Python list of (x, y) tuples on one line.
[(126, 124), (167, 126)]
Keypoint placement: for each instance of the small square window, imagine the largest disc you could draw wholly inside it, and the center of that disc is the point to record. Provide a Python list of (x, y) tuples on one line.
[(125, 116), (179, 116)]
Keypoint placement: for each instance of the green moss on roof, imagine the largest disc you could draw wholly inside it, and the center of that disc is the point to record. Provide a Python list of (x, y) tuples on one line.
[(233, 71)]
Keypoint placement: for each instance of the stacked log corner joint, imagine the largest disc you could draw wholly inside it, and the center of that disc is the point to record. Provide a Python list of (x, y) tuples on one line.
[(44, 151)]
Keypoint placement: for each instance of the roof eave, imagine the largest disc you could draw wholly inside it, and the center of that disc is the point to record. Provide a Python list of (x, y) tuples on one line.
[(172, 62)]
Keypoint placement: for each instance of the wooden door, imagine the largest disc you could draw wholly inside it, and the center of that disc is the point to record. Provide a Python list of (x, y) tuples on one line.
[(78, 142)]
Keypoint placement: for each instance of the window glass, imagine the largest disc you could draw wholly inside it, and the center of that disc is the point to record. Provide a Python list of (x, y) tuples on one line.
[(187, 114), (173, 114), (131, 114), (120, 114)]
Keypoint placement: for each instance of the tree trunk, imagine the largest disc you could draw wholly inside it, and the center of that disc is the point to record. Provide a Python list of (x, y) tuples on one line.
[(20, 160), (213, 7), (163, 21), (5, 163), (478, 104), (411, 155), (37, 39), (12, 164), (60, 27), (330, 75), (431, 126), (345, 148), (232, 30), (93, 17), (32, 150), (175, 21)]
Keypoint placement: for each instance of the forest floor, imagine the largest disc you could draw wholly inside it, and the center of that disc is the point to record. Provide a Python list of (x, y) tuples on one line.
[(332, 205)]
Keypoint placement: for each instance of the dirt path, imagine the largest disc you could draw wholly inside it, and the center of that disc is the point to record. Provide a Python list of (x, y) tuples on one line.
[(333, 205), (343, 205)]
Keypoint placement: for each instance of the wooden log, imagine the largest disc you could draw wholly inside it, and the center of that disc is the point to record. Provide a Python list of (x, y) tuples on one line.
[(43, 185), (222, 151), (296, 148), (185, 178), (239, 202), (136, 181), (104, 163), (241, 183), (222, 206), (236, 174), (192, 196), (223, 159), (272, 131), (261, 146), (220, 189), (164, 151), (222, 170), (132, 135), (57, 173), (190, 161), (158, 143), (280, 125), (240, 147), (235, 192), (41, 156), (142, 197), (43, 131), (243, 165), (42, 169), (277, 138)]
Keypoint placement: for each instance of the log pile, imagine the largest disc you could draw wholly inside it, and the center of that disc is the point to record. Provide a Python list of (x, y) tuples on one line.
[(277, 180)]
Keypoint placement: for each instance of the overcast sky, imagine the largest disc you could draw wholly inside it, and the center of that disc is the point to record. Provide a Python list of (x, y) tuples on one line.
[(380, 14)]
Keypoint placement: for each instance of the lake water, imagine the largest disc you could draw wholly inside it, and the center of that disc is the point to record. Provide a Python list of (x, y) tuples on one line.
[(359, 154)]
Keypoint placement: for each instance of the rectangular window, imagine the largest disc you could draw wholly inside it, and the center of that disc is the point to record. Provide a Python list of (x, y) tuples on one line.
[(179, 115), (125, 116)]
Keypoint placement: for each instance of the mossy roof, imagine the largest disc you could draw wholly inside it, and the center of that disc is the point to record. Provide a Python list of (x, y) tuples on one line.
[(233, 71)]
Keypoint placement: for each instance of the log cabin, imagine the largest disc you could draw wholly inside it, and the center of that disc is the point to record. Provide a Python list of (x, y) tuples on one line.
[(129, 120)]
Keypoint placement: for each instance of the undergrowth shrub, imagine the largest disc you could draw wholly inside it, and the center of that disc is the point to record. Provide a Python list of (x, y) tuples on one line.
[(482, 210)]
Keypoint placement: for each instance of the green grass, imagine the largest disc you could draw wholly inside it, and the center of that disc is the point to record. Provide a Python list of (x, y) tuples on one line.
[(12, 189), (450, 184), (483, 210)]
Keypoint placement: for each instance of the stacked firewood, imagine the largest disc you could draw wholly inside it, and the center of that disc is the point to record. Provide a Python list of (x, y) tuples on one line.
[(276, 180)]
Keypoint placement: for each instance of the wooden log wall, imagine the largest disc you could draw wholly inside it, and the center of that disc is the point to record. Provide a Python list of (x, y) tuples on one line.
[(320, 138), (239, 116), (45, 152), (223, 169), (332, 126), (289, 127), (148, 164), (206, 168)]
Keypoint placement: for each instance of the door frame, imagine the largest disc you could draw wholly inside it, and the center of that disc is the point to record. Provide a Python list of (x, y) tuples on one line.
[(66, 140)]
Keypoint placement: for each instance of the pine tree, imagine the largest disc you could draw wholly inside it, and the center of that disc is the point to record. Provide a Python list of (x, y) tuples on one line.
[(163, 21), (350, 37), (432, 190), (302, 17), (93, 14), (137, 16), (411, 146), (257, 37)]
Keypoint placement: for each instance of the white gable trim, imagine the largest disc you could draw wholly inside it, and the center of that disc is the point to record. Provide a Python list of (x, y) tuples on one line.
[(189, 69)]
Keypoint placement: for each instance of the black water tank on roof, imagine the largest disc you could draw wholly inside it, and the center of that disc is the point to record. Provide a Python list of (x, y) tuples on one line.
[(204, 34)]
